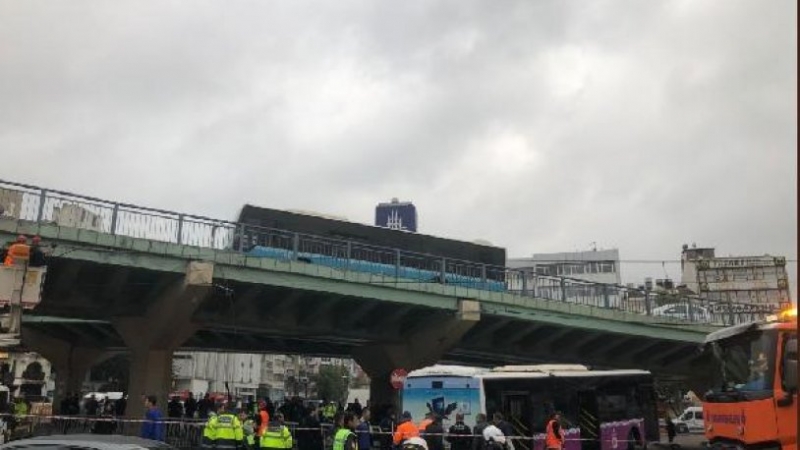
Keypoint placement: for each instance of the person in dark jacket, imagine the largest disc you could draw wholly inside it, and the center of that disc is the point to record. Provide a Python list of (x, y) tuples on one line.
[(478, 443), (434, 433), (174, 408), (191, 406), (309, 434), (363, 431), (459, 435)]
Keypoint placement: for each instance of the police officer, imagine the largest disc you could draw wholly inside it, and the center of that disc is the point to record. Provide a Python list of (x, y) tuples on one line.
[(209, 435), (277, 435), (228, 432), (345, 437)]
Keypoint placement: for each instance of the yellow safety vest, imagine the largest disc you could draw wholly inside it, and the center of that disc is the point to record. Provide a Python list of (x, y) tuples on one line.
[(227, 430), (276, 437), (341, 437)]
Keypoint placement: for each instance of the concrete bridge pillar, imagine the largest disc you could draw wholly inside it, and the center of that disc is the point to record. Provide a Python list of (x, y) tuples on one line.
[(70, 361), (153, 337), (425, 347)]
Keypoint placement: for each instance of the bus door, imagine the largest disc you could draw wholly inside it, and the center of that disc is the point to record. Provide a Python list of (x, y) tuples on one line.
[(516, 409), (588, 420)]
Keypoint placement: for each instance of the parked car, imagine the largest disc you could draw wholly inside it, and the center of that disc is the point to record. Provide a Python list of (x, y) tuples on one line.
[(681, 311), (691, 421), (86, 442)]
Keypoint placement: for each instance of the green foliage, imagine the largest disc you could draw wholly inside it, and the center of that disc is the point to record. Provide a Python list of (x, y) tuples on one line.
[(332, 383)]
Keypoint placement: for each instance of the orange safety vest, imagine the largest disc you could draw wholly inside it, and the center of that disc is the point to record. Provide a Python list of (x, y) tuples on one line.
[(17, 252), (264, 422), (552, 440), (405, 430)]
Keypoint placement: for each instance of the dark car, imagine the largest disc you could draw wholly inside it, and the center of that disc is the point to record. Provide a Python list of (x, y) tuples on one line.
[(86, 442)]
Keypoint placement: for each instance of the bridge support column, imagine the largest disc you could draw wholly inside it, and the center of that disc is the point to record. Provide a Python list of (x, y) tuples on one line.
[(153, 338), (425, 347), (70, 361)]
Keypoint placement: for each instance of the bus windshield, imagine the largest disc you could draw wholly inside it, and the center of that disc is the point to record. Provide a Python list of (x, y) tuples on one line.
[(746, 362)]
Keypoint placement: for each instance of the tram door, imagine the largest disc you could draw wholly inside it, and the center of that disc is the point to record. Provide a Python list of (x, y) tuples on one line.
[(516, 410), (588, 420)]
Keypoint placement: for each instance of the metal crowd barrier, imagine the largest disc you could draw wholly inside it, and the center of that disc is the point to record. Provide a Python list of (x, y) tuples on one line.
[(185, 434)]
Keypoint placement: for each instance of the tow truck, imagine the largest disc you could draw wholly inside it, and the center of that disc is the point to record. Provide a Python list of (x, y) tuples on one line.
[(754, 404)]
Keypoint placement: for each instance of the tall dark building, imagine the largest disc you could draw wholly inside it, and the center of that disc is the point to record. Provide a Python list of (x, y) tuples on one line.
[(396, 215)]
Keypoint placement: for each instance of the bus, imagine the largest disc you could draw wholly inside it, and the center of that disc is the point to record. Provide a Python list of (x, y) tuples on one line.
[(602, 409)]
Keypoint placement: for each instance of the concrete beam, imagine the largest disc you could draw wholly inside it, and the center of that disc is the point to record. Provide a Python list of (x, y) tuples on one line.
[(164, 326)]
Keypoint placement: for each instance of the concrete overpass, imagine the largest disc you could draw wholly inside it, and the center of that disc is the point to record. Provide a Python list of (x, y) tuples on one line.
[(106, 293)]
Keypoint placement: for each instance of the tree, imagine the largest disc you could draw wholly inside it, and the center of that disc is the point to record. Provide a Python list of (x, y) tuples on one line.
[(332, 383)]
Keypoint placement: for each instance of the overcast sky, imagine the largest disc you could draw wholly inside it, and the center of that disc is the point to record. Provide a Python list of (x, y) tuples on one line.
[(540, 126)]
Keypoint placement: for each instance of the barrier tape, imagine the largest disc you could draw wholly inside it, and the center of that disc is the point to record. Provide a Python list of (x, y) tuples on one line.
[(323, 429)]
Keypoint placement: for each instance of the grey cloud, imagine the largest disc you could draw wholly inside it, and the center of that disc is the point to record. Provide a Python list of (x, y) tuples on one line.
[(540, 126)]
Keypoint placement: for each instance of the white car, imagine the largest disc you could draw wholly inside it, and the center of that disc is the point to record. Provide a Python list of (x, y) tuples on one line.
[(681, 311)]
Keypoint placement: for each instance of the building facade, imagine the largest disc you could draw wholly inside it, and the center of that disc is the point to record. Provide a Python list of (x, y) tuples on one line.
[(396, 215), (261, 375), (588, 272), (753, 280)]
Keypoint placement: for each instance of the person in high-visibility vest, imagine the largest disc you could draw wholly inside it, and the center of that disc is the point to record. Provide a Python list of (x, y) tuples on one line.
[(328, 411), (209, 434), (345, 437), (18, 253), (554, 435), (228, 432), (277, 436), (405, 430), (249, 430)]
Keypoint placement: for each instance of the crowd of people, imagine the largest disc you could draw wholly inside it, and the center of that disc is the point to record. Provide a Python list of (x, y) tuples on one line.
[(251, 425)]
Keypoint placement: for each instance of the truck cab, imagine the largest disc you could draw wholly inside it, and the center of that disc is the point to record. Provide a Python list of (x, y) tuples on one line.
[(754, 400)]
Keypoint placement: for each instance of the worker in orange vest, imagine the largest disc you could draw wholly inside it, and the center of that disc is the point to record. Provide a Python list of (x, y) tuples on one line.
[(554, 438), (262, 418), (405, 430), (19, 252)]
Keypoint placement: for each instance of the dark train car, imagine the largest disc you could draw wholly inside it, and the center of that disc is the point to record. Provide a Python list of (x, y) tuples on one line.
[(364, 234)]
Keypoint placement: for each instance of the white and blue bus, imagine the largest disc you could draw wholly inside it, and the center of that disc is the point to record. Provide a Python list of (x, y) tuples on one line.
[(603, 409)]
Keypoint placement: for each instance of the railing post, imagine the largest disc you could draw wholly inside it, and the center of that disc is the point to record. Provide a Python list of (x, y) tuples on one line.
[(689, 310), (241, 230), (563, 289), (397, 263), (443, 270), (114, 218), (524, 276), (42, 199), (483, 274), (647, 302), (180, 229), (605, 297), (295, 245), (349, 254)]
